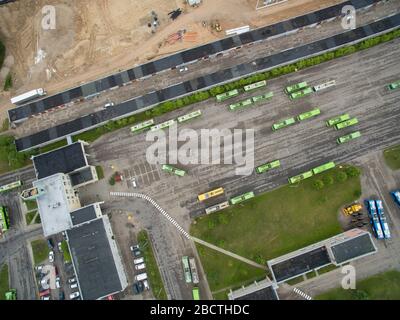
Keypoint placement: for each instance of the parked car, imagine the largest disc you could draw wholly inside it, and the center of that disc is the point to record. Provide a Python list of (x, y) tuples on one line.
[(73, 285), (59, 245), (140, 266), (137, 287), (64, 234), (136, 251), (58, 283), (146, 285), (72, 280), (74, 295), (183, 69), (110, 104), (138, 261), (45, 298), (61, 295), (51, 256), (44, 282), (50, 244)]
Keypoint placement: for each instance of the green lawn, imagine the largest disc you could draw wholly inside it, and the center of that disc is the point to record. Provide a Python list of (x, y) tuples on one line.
[(392, 157), (4, 284), (224, 272), (384, 286), (40, 251), (29, 216), (66, 253), (31, 205), (100, 172), (152, 271), (274, 223)]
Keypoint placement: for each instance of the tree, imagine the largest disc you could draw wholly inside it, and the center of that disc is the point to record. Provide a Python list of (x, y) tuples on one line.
[(328, 180), (341, 176), (353, 171), (318, 184)]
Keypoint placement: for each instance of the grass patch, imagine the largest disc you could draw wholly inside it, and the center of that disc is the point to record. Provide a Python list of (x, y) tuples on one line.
[(100, 172), (327, 268), (152, 270), (66, 253), (40, 251), (10, 159), (311, 275), (53, 146), (29, 216), (31, 205), (295, 281), (275, 223), (5, 125), (2, 53), (224, 272), (38, 220), (8, 82), (4, 281), (383, 286), (392, 157)]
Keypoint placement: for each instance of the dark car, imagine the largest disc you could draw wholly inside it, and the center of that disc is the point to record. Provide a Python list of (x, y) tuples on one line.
[(61, 295), (138, 287)]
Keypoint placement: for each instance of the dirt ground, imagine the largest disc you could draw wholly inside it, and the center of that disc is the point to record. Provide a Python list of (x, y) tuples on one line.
[(94, 38)]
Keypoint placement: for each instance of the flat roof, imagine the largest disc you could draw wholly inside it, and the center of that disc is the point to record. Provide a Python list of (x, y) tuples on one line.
[(86, 214), (93, 260), (262, 290), (301, 264), (353, 248), (63, 160), (81, 176), (53, 205)]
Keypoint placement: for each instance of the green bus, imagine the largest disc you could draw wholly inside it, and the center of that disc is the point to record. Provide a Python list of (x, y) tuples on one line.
[(163, 125), (186, 269), (189, 116), (255, 85), (268, 166), (338, 119), (301, 93), (309, 114), (227, 95), (394, 85), (196, 293), (300, 177), (171, 169), (142, 126), (10, 186), (345, 124), (11, 294), (242, 198), (348, 137), (241, 104), (324, 167), (4, 220), (283, 124), (263, 97), (296, 87)]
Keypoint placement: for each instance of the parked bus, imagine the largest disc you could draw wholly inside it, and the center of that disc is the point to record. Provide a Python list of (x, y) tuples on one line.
[(394, 85), (376, 226), (193, 270), (301, 93), (268, 166), (217, 207), (241, 104), (324, 85), (4, 220), (345, 124), (338, 119), (263, 97), (227, 95), (309, 114), (296, 87), (196, 293), (186, 269), (349, 137), (255, 85), (189, 116), (396, 196), (242, 198), (382, 219), (324, 167), (210, 194), (11, 186), (301, 177), (171, 169), (283, 124), (163, 125), (142, 126)]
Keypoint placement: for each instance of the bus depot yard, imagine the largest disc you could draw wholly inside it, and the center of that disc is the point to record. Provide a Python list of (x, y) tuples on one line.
[(267, 217)]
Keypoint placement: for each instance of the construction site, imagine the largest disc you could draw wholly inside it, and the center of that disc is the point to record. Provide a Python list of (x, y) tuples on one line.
[(96, 38)]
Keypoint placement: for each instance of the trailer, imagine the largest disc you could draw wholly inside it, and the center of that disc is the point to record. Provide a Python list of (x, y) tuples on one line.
[(193, 270), (27, 96)]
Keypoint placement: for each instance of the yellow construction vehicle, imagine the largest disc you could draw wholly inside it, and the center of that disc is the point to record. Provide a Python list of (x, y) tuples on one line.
[(354, 208)]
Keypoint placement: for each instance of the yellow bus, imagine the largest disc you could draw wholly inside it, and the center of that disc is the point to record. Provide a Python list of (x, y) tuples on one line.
[(211, 194)]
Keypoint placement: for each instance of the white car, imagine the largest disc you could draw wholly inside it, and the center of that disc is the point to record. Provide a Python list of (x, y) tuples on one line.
[(74, 286), (183, 69), (140, 266), (110, 104), (51, 256), (72, 280), (59, 245), (138, 261), (58, 283), (39, 268), (146, 285), (74, 295)]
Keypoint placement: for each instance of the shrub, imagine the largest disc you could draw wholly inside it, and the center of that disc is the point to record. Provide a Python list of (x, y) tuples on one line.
[(318, 184), (341, 176), (8, 82), (328, 180), (353, 171)]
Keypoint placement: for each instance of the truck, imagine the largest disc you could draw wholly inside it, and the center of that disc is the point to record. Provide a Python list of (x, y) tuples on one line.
[(27, 96)]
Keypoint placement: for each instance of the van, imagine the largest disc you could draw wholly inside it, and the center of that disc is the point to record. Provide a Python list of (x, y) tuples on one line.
[(140, 266), (138, 261), (140, 277)]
